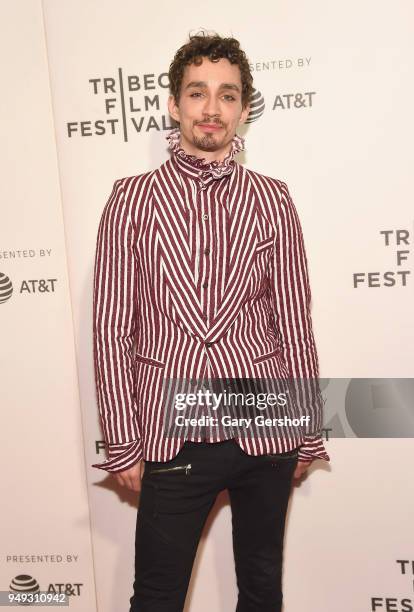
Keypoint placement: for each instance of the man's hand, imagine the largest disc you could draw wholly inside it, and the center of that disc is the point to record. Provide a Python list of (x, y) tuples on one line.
[(301, 468), (131, 478)]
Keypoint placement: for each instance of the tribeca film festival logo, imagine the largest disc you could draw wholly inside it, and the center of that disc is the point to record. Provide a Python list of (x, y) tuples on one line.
[(132, 104), (26, 287), (397, 604), (398, 240)]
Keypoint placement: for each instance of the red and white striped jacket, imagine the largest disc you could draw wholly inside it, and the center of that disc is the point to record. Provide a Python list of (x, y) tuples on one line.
[(200, 269)]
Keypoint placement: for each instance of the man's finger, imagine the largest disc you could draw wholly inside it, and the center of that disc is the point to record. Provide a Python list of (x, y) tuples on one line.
[(301, 468)]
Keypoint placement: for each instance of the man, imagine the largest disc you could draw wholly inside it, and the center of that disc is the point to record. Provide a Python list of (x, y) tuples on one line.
[(201, 264)]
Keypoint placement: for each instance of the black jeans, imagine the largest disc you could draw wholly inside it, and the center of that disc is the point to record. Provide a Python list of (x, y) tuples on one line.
[(176, 498)]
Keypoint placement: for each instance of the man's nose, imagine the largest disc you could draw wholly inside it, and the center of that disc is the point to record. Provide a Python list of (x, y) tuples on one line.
[(211, 107)]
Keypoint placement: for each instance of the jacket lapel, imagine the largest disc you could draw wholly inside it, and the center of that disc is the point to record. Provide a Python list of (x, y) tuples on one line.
[(174, 254)]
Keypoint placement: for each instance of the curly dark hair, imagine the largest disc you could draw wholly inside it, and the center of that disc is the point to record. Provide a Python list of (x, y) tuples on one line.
[(214, 47)]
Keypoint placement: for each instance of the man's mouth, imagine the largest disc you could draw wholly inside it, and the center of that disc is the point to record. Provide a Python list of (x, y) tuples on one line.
[(209, 127)]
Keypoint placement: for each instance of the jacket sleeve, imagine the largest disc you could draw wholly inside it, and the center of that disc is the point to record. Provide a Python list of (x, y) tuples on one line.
[(114, 321), (291, 297)]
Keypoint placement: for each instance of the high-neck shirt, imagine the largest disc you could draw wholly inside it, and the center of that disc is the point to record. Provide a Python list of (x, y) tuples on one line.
[(199, 168)]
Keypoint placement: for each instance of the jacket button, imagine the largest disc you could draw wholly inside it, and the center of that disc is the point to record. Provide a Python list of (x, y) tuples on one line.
[(208, 344)]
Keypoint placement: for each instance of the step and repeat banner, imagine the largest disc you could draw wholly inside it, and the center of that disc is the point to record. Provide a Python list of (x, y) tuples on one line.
[(84, 102), (45, 532)]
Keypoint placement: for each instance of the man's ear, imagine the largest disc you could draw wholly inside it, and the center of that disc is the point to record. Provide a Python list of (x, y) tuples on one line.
[(173, 108), (244, 114)]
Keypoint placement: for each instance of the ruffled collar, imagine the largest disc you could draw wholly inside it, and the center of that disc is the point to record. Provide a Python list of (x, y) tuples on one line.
[(198, 166)]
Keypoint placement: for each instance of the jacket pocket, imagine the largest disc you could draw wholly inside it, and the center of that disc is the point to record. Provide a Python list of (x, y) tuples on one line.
[(264, 244), (265, 356), (149, 361)]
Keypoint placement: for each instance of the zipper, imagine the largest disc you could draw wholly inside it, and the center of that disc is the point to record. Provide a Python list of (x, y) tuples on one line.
[(187, 468)]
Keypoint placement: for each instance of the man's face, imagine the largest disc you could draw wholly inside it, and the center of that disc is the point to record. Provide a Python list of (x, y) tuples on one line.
[(209, 109)]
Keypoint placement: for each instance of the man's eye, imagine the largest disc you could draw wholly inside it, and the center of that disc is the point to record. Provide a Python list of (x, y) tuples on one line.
[(195, 93), (229, 97)]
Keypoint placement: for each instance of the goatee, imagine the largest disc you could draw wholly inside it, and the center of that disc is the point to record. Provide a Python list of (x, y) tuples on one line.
[(206, 143)]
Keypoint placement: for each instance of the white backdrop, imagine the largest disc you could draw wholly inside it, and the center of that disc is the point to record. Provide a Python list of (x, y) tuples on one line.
[(337, 84)]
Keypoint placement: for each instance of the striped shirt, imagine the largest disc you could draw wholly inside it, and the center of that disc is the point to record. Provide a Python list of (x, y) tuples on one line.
[(201, 267)]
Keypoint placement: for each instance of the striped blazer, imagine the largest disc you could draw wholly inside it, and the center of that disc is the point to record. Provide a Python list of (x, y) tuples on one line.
[(151, 318)]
